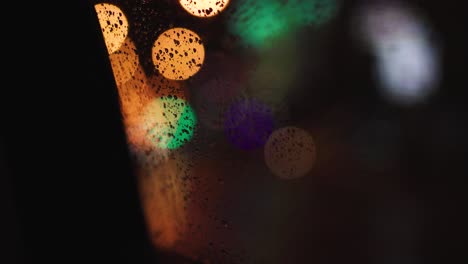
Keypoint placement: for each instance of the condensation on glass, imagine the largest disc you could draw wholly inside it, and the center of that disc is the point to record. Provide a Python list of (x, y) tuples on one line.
[(204, 89)]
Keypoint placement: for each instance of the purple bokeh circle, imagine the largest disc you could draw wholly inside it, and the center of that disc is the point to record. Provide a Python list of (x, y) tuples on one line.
[(248, 123)]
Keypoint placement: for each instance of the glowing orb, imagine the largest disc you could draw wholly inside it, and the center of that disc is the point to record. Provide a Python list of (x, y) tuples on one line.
[(248, 123), (169, 122), (290, 152), (408, 73), (258, 22), (407, 57), (204, 8), (178, 53), (114, 25)]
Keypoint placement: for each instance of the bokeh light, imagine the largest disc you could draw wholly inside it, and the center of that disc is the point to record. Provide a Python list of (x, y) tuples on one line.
[(248, 123), (406, 52), (178, 53), (204, 8), (409, 73), (290, 152), (169, 122), (258, 22), (114, 25)]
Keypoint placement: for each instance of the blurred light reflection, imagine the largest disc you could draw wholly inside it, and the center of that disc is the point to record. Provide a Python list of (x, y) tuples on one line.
[(114, 25), (204, 8), (290, 152), (169, 122), (407, 55), (178, 53), (259, 22), (248, 123)]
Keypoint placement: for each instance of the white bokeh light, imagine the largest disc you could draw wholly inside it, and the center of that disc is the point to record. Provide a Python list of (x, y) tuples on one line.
[(407, 58), (408, 71)]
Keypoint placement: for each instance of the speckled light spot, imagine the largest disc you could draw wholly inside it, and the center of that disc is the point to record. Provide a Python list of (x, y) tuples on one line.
[(204, 8), (248, 123), (114, 25), (290, 152), (178, 53)]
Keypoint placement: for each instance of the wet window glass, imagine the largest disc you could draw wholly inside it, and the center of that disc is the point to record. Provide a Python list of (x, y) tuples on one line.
[(265, 131)]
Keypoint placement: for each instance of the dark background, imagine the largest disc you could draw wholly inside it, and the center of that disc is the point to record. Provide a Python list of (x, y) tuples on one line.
[(67, 192)]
